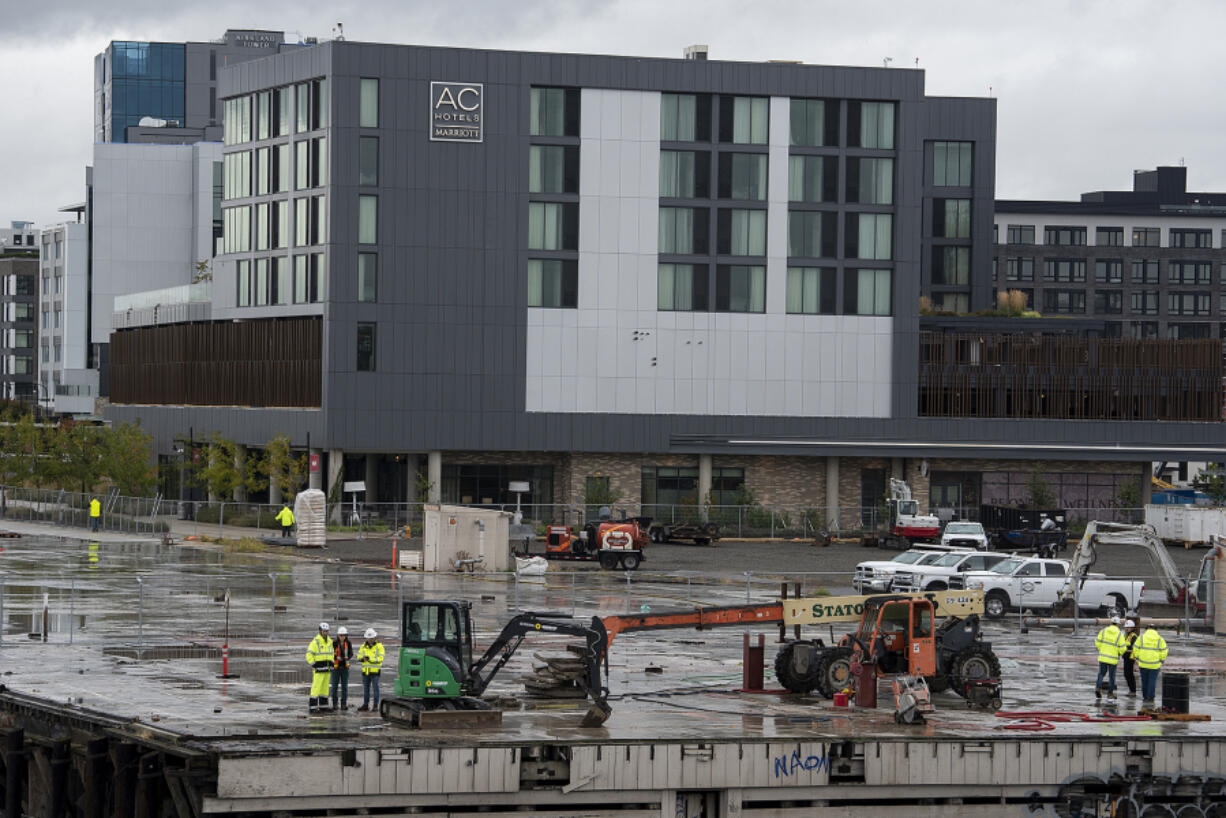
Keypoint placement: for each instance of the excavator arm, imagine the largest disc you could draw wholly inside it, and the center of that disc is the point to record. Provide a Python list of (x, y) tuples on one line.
[(513, 634), (1098, 534)]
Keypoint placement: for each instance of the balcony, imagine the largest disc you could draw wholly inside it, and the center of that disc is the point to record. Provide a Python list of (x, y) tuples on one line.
[(171, 305)]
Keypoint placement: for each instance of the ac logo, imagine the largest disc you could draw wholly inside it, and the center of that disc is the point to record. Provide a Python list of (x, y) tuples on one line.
[(456, 113)]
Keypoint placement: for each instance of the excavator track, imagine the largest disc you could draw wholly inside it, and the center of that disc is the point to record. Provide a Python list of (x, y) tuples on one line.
[(443, 714)]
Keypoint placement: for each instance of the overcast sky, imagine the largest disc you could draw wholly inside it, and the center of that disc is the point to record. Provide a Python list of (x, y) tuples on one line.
[(1087, 91)]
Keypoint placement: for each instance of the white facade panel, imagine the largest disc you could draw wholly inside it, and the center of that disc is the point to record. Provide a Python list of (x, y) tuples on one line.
[(698, 363)]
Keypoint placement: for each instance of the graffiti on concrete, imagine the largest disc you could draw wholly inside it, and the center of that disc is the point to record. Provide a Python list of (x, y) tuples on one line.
[(789, 764)]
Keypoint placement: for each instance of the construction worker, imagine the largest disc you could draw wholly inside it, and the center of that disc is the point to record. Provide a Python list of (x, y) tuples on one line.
[(286, 518), (342, 655), (1110, 644), (1150, 652), (1130, 637), (319, 656), (95, 513), (370, 656)]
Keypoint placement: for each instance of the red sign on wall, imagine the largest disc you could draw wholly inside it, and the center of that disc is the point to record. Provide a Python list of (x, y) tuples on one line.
[(314, 463)]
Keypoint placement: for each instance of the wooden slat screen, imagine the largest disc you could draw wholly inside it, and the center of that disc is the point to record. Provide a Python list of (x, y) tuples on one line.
[(274, 362), (1064, 377)]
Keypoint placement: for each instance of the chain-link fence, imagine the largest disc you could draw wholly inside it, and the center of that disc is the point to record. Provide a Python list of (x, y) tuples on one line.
[(154, 515)]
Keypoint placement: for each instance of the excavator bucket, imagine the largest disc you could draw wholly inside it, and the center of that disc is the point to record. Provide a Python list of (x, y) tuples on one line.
[(597, 714)]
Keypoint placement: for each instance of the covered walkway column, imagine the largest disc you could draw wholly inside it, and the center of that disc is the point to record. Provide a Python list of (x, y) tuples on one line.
[(704, 484), (832, 493), (372, 478), (336, 467), (434, 475)]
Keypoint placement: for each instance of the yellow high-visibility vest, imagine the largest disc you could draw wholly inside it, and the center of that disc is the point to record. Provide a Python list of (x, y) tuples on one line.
[(1150, 650)]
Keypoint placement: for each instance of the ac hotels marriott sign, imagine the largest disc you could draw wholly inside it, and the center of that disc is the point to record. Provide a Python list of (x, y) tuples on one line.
[(456, 111)]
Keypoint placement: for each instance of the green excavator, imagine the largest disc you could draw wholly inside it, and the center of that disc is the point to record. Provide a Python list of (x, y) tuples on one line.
[(438, 684)]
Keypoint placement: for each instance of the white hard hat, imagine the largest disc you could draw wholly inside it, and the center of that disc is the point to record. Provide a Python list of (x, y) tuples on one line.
[(370, 633), (323, 626), (1130, 624), (1115, 620), (342, 631)]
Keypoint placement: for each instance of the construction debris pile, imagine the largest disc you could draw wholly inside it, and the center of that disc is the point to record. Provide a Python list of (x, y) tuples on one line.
[(557, 676)]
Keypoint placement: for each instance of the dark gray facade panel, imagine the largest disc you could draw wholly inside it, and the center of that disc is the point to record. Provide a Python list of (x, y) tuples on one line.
[(250, 427)]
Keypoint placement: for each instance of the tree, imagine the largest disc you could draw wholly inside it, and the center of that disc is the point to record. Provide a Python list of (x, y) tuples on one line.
[(201, 272), (128, 459), (219, 474), (1039, 490), (82, 450), (281, 466), (23, 446), (1212, 481)]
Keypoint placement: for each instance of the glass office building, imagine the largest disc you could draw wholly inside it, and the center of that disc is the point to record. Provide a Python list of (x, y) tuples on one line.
[(146, 80)]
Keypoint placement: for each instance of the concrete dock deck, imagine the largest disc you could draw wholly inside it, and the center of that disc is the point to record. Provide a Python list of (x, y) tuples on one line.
[(135, 630)]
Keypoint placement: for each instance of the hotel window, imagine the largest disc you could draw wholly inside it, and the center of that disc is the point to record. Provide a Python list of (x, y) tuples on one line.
[(951, 265), (319, 104), (302, 93), (302, 165), (368, 219), (1108, 271), (237, 229), (553, 169), (1069, 302), (237, 169), (368, 160), (368, 103), (261, 226), (261, 282), (742, 176), (553, 226), (741, 232), (553, 283), (812, 124), (1108, 302), (1145, 302), (302, 222), (1188, 303), (866, 292), (1019, 234), (813, 179), (811, 291), (740, 288), (366, 348), (554, 112), (685, 118), (811, 233), (681, 287), (279, 225), (281, 112), (1109, 236), (744, 120), (262, 172), (281, 168), (1189, 272), (319, 220), (368, 277), (263, 105), (870, 181), (951, 164), (281, 282), (1064, 270), (1146, 237), (870, 125), (684, 175), (951, 218), (869, 236), (683, 231), (1064, 236), (319, 161), (1199, 239), (1188, 331), (243, 279), (1145, 272)]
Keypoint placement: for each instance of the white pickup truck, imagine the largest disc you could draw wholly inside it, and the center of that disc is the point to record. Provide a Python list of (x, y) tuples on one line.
[(878, 575), (936, 576), (1030, 582), (964, 534)]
